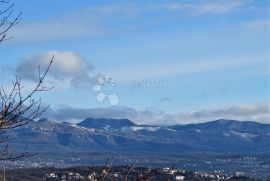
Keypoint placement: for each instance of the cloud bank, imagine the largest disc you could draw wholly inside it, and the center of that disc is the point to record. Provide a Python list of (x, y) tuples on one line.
[(248, 112)]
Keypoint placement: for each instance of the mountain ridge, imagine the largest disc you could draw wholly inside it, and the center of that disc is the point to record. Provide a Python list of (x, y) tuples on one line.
[(124, 136)]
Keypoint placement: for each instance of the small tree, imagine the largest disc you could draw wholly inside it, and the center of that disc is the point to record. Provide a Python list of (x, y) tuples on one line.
[(16, 109)]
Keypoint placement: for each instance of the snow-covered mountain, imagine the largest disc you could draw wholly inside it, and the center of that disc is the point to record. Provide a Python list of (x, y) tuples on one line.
[(124, 136)]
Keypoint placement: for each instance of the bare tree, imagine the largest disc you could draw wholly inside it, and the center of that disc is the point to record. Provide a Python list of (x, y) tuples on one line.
[(17, 109)]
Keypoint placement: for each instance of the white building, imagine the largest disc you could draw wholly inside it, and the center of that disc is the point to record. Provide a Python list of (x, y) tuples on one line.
[(179, 177)]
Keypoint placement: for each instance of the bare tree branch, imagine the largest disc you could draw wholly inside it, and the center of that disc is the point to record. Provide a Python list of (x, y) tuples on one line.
[(109, 165), (7, 21), (129, 170)]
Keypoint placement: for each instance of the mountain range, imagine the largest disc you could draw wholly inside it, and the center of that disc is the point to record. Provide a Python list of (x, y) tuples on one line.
[(124, 136)]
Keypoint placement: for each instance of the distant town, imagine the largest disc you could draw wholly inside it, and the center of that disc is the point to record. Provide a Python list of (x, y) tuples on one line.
[(85, 166), (123, 173)]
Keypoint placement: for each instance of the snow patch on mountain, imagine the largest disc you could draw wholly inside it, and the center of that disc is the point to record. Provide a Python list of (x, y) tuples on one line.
[(147, 128), (82, 128), (243, 135)]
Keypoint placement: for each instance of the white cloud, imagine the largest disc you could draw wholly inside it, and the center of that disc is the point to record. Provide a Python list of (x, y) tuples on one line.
[(67, 66), (246, 112), (68, 69)]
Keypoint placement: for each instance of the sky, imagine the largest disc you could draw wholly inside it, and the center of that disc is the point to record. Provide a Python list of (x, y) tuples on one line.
[(154, 62)]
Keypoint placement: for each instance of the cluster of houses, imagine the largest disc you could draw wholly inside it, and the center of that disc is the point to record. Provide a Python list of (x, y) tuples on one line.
[(95, 176), (64, 177), (178, 175), (121, 174)]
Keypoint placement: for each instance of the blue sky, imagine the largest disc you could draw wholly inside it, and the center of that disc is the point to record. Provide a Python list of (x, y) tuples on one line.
[(213, 57)]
